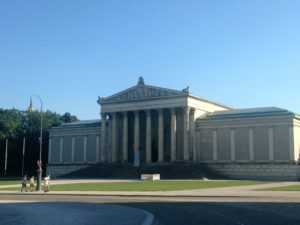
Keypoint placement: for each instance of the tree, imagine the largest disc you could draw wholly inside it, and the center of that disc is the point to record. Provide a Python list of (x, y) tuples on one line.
[(10, 121), (67, 118), (15, 125)]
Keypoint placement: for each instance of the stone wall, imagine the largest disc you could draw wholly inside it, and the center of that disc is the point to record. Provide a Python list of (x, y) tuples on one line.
[(258, 171), (74, 145), (61, 169), (259, 139)]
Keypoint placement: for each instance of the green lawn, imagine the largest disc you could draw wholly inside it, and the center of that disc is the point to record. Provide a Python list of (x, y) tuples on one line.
[(287, 188), (149, 185), (9, 182)]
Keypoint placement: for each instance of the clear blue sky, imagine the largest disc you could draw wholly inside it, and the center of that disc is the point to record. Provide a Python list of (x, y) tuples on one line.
[(239, 53)]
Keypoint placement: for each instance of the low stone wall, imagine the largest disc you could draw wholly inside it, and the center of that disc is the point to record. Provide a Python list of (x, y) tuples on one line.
[(258, 171), (62, 169)]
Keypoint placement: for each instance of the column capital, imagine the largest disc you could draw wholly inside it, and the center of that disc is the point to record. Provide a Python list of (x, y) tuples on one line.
[(160, 111), (108, 116), (148, 112), (124, 113), (186, 109), (172, 110), (103, 115)]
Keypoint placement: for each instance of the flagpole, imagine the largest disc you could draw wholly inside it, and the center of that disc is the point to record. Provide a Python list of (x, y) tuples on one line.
[(5, 166), (23, 156)]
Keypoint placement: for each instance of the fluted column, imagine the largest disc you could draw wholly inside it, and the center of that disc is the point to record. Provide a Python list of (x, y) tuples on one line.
[(114, 137), (160, 136), (148, 137), (136, 138), (186, 115), (173, 134), (125, 136), (103, 138)]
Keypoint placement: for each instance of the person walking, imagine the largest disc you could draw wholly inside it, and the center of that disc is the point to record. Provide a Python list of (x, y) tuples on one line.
[(46, 183), (24, 184), (32, 184)]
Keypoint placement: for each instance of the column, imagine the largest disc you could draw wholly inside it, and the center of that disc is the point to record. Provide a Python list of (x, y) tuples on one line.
[(61, 149), (192, 135), (136, 138), (84, 148), (97, 148), (103, 139), (291, 140), (271, 144), (109, 140), (49, 153), (232, 144), (160, 136), (198, 145), (173, 134), (125, 136), (114, 137), (148, 137), (251, 144), (215, 146), (73, 150), (186, 115)]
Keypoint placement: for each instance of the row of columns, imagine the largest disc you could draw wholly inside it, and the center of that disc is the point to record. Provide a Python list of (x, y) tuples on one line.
[(136, 144)]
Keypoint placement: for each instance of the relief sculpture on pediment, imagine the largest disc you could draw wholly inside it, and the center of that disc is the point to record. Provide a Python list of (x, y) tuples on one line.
[(141, 92)]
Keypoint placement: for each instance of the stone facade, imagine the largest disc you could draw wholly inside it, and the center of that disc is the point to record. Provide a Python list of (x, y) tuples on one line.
[(75, 143), (260, 135), (146, 124)]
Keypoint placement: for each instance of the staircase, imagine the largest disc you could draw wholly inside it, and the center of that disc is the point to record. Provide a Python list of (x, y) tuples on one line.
[(128, 171)]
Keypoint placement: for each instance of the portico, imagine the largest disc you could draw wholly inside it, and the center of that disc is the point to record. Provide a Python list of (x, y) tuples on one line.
[(150, 124)]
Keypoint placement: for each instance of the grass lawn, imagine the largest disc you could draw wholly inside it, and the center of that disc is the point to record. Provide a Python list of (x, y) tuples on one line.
[(287, 188), (10, 182), (149, 185)]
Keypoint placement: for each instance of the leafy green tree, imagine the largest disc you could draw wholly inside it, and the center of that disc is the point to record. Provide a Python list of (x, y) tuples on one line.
[(67, 118), (10, 121), (16, 125)]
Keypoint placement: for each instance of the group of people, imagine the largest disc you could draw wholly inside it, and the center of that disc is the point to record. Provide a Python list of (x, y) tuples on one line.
[(32, 183)]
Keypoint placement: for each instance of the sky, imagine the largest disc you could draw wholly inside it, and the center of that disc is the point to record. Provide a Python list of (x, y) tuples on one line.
[(239, 53)]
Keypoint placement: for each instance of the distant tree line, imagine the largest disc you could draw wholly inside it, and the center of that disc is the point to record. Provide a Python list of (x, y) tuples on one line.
[(15, 125)]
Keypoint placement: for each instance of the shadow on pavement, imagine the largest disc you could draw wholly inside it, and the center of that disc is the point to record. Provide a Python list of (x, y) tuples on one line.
[(69, 213), (222, 213)]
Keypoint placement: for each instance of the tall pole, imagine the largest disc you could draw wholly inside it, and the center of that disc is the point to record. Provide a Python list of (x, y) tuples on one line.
[(23, 156), (39, 170), (39, 162), (5, 166)]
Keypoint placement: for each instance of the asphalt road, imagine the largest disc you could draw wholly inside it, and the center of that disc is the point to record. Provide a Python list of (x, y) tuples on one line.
[(222, 213), (69, 213), (167, 211)]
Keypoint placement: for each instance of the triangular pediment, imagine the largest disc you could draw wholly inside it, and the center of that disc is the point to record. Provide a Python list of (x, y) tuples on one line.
[(142, 92)]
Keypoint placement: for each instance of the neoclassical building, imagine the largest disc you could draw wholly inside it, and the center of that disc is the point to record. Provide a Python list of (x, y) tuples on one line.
[(152, 125)]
